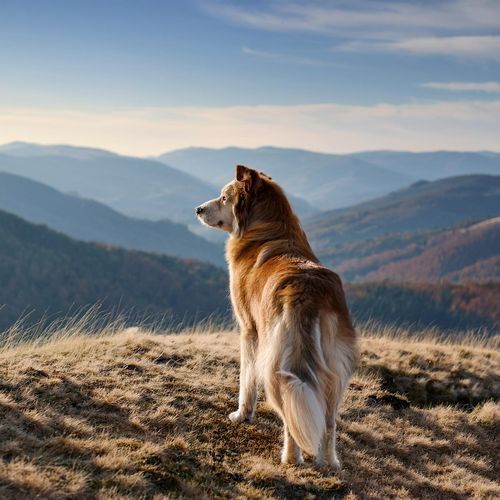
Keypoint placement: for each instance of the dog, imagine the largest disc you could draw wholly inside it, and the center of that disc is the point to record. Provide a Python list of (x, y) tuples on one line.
[(297, 338)]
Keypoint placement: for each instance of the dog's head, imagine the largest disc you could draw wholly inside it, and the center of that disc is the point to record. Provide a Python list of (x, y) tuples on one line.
[(232, 211)]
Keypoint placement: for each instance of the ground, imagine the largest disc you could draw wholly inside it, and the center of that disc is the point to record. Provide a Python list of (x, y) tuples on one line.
[(140, 415)]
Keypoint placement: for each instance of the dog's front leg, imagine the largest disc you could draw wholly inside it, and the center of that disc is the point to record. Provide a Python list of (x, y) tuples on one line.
[(248, 379)]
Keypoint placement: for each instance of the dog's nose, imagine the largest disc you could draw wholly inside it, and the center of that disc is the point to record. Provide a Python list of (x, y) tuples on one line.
[(199, 210)]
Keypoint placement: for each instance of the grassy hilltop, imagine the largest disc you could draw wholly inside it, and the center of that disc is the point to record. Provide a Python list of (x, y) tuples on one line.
[(139, 415)]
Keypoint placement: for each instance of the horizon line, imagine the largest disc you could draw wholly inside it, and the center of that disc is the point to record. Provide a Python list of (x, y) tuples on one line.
[(263, 146)]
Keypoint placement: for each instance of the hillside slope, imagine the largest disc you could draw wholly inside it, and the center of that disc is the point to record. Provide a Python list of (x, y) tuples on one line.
[(470, 252), (89, 220), (46, 273), (145, 416), (423, 205), (134, 186)]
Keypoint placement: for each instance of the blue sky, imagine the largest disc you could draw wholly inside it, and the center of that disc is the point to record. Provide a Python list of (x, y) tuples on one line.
[(142, 77)]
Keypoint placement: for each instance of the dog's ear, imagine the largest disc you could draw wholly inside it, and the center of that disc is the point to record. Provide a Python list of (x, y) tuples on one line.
[(247, 176), (240, 211)]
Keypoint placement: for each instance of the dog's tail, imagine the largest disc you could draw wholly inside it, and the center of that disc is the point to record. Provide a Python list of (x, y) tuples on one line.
[(293, 381), (303, 411)]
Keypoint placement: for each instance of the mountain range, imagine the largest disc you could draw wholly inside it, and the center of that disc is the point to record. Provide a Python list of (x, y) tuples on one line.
[(134, 186), (329, 181), (138, 187), (90, 220), (425, 232), (171, 185), (325, 181)]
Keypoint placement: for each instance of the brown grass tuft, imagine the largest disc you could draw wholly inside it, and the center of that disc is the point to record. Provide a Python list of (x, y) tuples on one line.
[(137, 415)]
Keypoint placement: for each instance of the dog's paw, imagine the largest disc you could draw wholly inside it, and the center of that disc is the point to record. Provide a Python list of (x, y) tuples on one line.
[(335, 464), (292, 459), (237, 417), (330, 465)]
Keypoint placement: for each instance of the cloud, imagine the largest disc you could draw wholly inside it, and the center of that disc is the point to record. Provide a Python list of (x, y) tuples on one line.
[(282, 58), (369, 19), (492, 87), (329, 127), (457, 28), (470, 47)]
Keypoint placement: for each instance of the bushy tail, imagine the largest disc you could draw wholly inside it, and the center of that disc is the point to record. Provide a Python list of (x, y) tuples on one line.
[(303, 412)]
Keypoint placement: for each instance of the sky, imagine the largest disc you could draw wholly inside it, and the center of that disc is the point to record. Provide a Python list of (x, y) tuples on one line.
[(146, 77)]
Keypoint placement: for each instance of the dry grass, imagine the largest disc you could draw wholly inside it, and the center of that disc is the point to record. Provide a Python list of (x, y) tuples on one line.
[(137, 415)]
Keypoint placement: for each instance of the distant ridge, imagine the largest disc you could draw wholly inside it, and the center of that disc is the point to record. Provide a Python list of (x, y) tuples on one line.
[(434, 165), (134, 186), (325, 181), (315, 181), (27, 149), (329, 181)]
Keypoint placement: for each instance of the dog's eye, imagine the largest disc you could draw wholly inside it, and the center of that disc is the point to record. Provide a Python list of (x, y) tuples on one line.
[(224, 199)]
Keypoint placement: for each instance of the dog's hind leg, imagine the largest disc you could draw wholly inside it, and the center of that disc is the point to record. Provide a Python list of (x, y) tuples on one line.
[(291, 453), (328, 451), (340, 354), (248, 379)]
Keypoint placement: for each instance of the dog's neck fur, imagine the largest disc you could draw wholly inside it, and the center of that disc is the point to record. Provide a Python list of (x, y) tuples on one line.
[(265, 237)]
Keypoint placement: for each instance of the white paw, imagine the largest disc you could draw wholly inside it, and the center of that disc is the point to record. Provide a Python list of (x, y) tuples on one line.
[(334, 464), (292, 459), (237, 417)]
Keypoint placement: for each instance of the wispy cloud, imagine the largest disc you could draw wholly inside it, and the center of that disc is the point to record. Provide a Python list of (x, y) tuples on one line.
[(458, 28), (376, 16), (483, 47), (282, 58), (492, 87), (416, 126)]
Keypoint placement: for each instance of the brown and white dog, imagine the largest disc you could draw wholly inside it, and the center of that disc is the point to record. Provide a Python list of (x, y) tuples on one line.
[(297, 338)]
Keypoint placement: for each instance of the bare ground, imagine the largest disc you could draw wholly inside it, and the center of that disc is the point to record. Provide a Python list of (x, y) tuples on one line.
[(137, 415)]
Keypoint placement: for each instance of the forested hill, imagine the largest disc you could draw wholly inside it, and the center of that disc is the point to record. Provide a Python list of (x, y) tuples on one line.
[(45, 273)]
